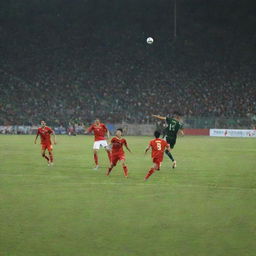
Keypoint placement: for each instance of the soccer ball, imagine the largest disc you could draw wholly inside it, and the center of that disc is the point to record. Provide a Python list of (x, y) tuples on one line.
[(150, 40)]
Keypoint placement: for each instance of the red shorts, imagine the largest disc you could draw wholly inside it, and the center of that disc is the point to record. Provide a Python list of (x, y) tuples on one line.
[(158, 162), (116, 158), (47, 146)]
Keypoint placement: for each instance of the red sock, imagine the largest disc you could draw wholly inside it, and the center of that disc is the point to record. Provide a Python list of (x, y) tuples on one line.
[(109, 156), (151, 171), (125, 171), (96, 158), (46, 157), (51, 157)]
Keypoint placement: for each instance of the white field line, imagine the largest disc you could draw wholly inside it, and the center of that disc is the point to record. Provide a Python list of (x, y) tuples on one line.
[(122, 183)]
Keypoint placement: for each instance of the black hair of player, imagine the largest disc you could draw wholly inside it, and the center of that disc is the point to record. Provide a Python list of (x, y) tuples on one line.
[(157, 134), (120, 129), (177, 113)]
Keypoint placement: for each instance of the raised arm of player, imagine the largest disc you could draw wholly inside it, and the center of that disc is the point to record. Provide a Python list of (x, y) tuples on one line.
[(87, 130), (159, 117)]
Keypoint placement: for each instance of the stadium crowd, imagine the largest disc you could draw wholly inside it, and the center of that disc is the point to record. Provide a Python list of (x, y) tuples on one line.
[(116, 95)]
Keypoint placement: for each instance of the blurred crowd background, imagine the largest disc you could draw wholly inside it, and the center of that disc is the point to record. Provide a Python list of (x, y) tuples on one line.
[(68, 62)]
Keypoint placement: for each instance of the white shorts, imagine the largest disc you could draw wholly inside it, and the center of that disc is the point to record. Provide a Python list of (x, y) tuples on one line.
[(100, 143)]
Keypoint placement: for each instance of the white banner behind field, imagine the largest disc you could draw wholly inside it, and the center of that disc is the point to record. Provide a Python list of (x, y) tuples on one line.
[(233, 133)]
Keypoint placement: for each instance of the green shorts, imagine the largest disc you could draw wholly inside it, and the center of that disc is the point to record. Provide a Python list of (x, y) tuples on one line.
[(171, 141)]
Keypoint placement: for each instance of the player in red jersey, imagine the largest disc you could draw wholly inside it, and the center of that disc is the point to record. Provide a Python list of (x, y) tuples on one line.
[(158, 146), (100, 130), (118, 154), (45, 133)]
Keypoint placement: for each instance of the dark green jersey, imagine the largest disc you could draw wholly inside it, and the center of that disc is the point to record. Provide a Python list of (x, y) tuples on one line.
[(173, 126)]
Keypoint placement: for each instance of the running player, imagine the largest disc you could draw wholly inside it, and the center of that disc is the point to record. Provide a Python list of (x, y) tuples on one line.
[(45, 133), (118, 154), (173, 128), (158, 146), (100, 130)]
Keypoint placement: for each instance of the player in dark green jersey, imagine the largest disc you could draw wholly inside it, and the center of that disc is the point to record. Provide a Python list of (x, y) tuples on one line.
[(174, 127)]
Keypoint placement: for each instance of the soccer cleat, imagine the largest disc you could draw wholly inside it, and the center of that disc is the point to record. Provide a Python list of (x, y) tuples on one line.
[(96, 168), (49, 163), (174, 165)]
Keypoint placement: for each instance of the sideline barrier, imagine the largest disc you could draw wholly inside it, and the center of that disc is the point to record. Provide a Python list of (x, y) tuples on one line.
[(198, 132), (233, 133), (135, 130)]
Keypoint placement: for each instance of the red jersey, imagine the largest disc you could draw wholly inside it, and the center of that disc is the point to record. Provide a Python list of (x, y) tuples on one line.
[(45, 135), (117, 146), (158, 147), (99, 131)]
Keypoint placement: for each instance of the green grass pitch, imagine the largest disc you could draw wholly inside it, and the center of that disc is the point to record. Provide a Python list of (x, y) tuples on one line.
[(207, 206)]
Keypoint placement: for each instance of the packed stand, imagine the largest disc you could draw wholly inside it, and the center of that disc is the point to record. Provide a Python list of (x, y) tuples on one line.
[(117, 95)]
